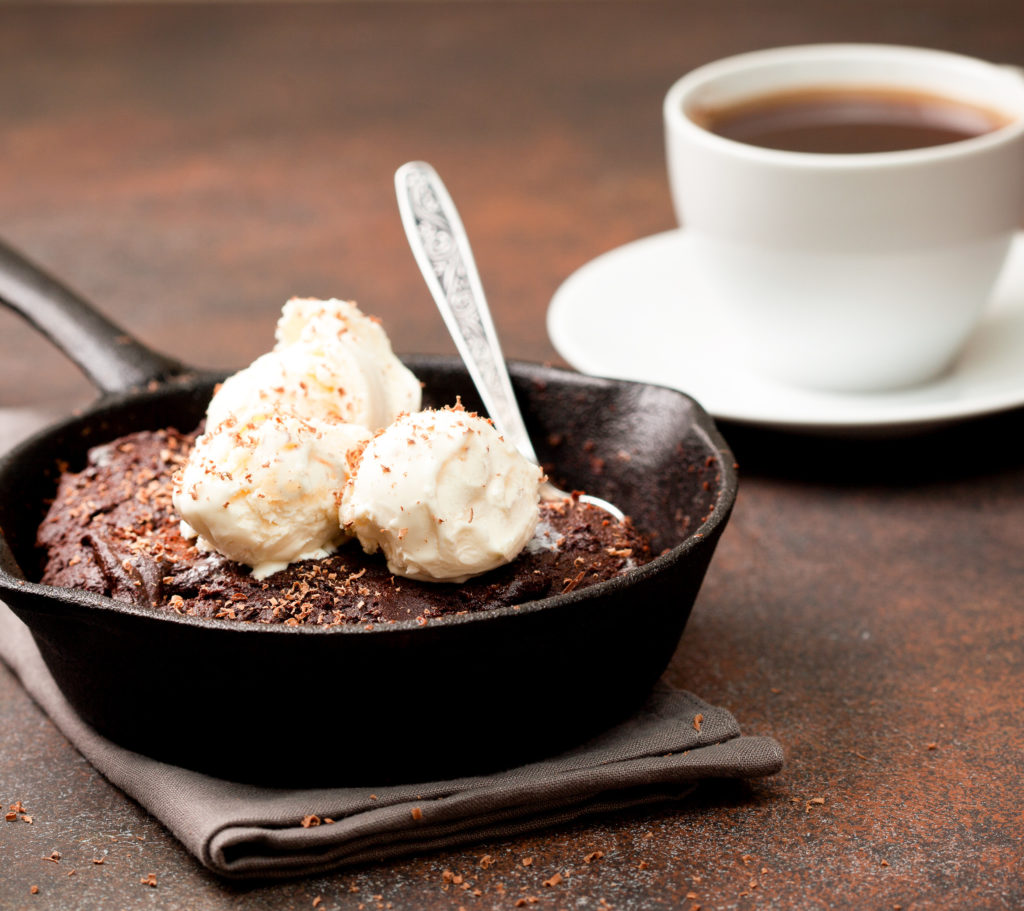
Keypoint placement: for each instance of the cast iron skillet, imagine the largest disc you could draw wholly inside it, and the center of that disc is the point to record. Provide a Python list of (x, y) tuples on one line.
[(294, 706)]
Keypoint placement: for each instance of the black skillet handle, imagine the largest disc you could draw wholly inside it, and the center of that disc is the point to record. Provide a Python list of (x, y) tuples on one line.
[(109, 357)]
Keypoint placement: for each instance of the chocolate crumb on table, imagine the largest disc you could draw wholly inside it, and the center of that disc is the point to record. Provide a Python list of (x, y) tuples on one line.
[(112, 530), (16, 811)]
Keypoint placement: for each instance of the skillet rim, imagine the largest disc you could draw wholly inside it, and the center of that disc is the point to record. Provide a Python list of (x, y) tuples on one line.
[(706, 533)]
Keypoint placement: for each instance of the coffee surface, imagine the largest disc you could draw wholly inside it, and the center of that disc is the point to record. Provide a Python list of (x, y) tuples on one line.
[(848, 120)]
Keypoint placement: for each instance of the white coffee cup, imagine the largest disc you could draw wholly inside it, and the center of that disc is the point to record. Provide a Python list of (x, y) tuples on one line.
[(850, 272)]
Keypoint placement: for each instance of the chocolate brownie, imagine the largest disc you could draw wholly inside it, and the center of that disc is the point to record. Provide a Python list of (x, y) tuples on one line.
[(112, 530)]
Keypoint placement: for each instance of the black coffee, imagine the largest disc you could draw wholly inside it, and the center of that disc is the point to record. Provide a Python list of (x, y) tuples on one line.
[(848, 120)]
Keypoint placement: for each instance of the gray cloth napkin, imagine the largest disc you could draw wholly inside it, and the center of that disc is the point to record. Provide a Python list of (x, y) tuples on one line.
[(243, 831), (248, 832)]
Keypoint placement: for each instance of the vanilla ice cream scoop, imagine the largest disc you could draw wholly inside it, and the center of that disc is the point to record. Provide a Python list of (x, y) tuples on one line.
[(443, 496), (330, 361), (265, 492)]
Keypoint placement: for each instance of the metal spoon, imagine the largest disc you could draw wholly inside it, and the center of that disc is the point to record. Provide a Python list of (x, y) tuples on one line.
[(442, 251)]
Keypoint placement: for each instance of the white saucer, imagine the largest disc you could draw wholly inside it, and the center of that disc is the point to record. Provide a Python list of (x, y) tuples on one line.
[(629, 314)]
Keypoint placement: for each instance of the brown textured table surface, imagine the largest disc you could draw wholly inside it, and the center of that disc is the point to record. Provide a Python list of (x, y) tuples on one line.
[(189, 167)]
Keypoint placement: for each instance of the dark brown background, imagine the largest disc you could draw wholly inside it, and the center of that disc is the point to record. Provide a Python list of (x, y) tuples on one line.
[(190, 167)]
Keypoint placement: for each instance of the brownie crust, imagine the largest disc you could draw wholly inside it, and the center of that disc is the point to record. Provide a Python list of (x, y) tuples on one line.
[(112, 530)]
